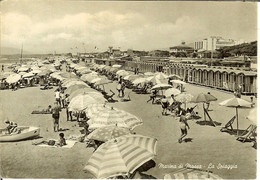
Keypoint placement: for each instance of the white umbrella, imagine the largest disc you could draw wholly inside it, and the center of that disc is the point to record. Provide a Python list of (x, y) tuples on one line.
[(23, 69), (27, 75), (161, 87), (178, 82), (253, 116), (161, 76), (13, 78), (139, 81), (117, 66), (149, 74), (172, 91), (237, 103)]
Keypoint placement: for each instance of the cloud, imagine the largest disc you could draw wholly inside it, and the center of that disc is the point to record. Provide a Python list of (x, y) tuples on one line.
[(101, 29)]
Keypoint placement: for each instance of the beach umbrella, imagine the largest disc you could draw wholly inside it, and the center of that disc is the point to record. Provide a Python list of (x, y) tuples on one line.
[(102, 82), (113, 70), (95, 80), (161, 87), (68, 75), (75, 87), (117, 66), (253, 116), (94, 108), (172, 91), (27, 75), (81, 91), (107, 68), (121, 156), (189, 173), (107, 133), (178, 82), (132, 77), (174, 76), (113, 117), (5, 75), (71, 83), (13, 78), (139, 81), (184, 97), (36, 71), (149, 74), (81, 102), (161, 75), (22, 69), (155, 80), (236, 103), (203, 98)]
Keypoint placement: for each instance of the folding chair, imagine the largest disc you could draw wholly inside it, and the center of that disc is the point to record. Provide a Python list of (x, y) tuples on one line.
[(228, 126), (248, 135)]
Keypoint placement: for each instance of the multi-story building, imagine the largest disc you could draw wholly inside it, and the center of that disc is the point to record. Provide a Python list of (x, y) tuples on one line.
[(214, 42)]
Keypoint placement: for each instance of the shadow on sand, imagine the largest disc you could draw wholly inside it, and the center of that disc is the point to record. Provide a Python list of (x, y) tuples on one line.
[(208, 123)]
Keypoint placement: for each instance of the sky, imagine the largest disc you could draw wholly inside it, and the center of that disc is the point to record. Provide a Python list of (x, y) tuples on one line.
[(45, 26)]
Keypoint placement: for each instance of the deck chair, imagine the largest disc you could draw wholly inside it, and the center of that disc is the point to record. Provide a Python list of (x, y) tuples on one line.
[(143, 90), (109, 98), (248, 135), (210, 119), (228, 126)]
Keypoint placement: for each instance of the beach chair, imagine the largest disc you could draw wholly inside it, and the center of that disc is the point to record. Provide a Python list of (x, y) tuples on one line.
[(109, 98), (248, 135), (143, 90), (228, 126)]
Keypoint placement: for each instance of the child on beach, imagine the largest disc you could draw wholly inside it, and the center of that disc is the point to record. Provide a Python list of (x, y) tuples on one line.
[(62, 141), (183, 127), (165, 104)]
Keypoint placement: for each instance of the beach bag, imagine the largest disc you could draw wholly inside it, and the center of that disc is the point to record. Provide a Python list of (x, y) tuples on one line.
[(51, 142)]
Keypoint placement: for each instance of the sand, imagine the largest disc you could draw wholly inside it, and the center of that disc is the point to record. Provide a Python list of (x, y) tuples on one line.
[(209, 148)]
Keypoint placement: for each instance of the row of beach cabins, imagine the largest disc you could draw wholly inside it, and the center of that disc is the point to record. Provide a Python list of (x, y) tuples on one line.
[(224, 78)]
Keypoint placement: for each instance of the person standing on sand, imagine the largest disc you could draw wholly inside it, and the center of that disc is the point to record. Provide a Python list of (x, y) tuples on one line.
[(57, 97), (56, 116), (165, 104), (3, 68), (183, 127)]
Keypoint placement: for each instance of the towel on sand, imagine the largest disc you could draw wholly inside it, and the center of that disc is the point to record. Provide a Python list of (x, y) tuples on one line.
[(70, 144)]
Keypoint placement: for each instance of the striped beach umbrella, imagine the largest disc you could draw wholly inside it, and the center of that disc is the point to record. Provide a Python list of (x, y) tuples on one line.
[(121, 156), (71, 83), (95, 108), (108, 132), (188, 173), (113, 116)]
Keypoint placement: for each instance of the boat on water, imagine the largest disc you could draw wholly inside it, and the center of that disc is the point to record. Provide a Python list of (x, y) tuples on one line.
[(22, 133)]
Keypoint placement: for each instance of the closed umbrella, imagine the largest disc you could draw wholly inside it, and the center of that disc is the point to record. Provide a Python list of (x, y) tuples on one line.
[(13, 78), (172, 91), (81, 102), (121, 156), (189, 173), (113, 117), (236, 103), (107, 133)]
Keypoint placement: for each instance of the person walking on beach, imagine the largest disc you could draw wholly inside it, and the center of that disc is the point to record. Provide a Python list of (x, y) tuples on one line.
[(62, 97), (3, 68), (56, 116), (183, 127), (68, 111), (152, 96)]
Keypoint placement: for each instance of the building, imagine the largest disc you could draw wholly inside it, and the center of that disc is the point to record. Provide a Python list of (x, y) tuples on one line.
[(133, 53), (215, 42)]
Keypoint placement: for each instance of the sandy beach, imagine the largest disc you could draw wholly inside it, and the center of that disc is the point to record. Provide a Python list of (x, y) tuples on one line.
[(209, 149)]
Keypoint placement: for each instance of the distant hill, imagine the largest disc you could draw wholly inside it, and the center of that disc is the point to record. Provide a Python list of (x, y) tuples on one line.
[(10, 51), (248, 49)]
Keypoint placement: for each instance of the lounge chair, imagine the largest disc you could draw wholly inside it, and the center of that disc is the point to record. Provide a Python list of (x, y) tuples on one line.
[(248, 135), (109, 98), (228, 126)]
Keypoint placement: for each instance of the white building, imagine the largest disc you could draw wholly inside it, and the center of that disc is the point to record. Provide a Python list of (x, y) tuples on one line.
[(215, 42)]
